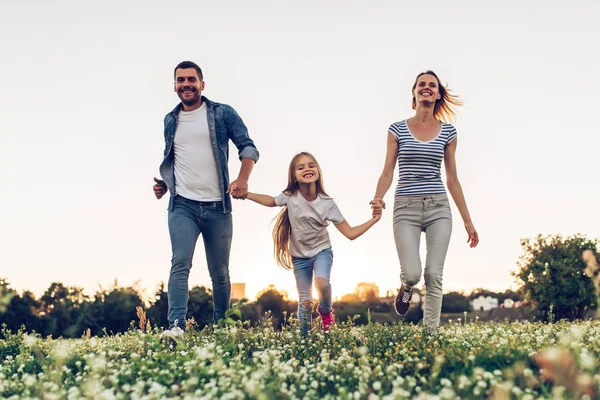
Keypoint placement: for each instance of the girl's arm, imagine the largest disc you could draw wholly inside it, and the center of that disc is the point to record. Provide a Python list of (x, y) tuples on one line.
[(387, 175), (457, 193), (352, 232), (264, 199)]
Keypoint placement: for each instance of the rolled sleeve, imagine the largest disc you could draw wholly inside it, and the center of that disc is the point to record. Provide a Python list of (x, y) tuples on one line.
[(249, 152), (238, 133)]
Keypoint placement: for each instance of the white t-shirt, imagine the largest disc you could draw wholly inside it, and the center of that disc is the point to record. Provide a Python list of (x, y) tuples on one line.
[(196, 175), (308, 220)]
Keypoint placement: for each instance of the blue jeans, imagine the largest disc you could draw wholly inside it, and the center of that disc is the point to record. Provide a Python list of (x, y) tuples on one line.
[(304, 269), (187, 221)]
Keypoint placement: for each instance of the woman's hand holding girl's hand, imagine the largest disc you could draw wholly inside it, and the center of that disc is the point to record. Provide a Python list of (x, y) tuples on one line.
[(377, 206)]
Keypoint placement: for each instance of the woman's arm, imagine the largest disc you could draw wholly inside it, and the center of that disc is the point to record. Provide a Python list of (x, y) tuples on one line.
[(264, 199), (352, 232), (385, 180), (457, 193)]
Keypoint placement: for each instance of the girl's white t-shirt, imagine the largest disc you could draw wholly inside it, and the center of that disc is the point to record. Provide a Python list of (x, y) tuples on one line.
[(308, 220)]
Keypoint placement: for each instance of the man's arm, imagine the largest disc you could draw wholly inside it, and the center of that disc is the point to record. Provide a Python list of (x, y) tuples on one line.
[(238, 133), (239, 187), (160, 187)]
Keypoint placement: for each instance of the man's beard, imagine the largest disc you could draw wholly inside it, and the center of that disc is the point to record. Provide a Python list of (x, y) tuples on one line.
[(189, 102)]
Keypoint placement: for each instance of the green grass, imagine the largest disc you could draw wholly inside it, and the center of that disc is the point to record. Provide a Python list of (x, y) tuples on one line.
[(468, 361)]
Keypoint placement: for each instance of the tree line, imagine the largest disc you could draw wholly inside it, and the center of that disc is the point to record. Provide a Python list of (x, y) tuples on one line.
[(552, 277)]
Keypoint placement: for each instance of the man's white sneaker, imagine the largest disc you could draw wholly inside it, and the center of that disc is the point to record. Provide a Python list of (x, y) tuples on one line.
[(173, 335)]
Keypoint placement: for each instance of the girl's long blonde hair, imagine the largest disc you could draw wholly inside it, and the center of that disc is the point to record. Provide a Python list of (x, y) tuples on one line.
[(445, 108), (282, 231)]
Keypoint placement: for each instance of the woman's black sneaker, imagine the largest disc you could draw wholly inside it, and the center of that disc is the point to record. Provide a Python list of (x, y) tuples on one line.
[(402, 303)]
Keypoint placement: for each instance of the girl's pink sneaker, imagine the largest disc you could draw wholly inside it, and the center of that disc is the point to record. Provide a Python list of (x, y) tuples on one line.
[(327, 319)]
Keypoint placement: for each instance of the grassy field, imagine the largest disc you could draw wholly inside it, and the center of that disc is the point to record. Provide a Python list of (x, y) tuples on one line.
[(464, 360)]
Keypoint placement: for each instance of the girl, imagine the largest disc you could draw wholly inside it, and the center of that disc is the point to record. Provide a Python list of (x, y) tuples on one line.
[(301, 238), (421, 204)]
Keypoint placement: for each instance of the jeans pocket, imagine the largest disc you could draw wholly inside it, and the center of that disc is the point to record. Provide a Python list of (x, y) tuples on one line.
[(401, 203), (442, 203), (215, 206), (178, 199)]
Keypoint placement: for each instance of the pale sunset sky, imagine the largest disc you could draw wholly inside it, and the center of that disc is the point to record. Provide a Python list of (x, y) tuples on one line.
[(85, 87)]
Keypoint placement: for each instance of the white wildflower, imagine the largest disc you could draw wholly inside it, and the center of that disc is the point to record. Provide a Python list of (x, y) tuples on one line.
[(29, 340), (28, 379)]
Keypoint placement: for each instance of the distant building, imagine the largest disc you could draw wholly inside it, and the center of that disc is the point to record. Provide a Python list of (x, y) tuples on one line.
[(484, 303), (509, 303), (238, 291)]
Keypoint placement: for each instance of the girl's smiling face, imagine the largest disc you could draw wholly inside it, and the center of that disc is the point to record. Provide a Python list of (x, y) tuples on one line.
[(306, 170)]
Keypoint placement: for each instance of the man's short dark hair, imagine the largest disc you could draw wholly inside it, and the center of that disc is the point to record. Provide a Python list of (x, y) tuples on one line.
[(188, 64)]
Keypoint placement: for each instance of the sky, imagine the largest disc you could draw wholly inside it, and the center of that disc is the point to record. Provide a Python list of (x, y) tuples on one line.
[(84, 87)]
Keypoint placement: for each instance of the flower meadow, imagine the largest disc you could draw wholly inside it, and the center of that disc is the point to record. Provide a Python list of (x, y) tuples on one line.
[(463, 360)]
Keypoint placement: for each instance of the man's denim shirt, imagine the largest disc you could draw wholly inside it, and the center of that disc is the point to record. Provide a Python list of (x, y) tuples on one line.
[(223, 124)]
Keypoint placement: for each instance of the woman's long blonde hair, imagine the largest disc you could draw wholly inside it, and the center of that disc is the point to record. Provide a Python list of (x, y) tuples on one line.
[(445, 107), (282, 231)]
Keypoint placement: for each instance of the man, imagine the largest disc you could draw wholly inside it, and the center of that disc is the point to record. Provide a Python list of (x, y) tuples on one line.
[(194, 170)]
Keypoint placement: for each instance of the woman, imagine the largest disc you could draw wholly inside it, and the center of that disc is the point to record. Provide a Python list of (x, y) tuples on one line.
[(421, 204)]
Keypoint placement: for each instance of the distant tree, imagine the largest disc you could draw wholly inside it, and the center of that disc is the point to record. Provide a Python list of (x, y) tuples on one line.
[(159, 307), (475, 293), (120, 305), (551, 273), (271, 299), (368, 292), (18, 310), (355, 310), (200, 306), (250, 313), (116, 308), (350, 298), (414, 314), (509, 294), (91, 316), (60, 308), (29, 311), (455, 302), (6, 294), (592, 270)]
